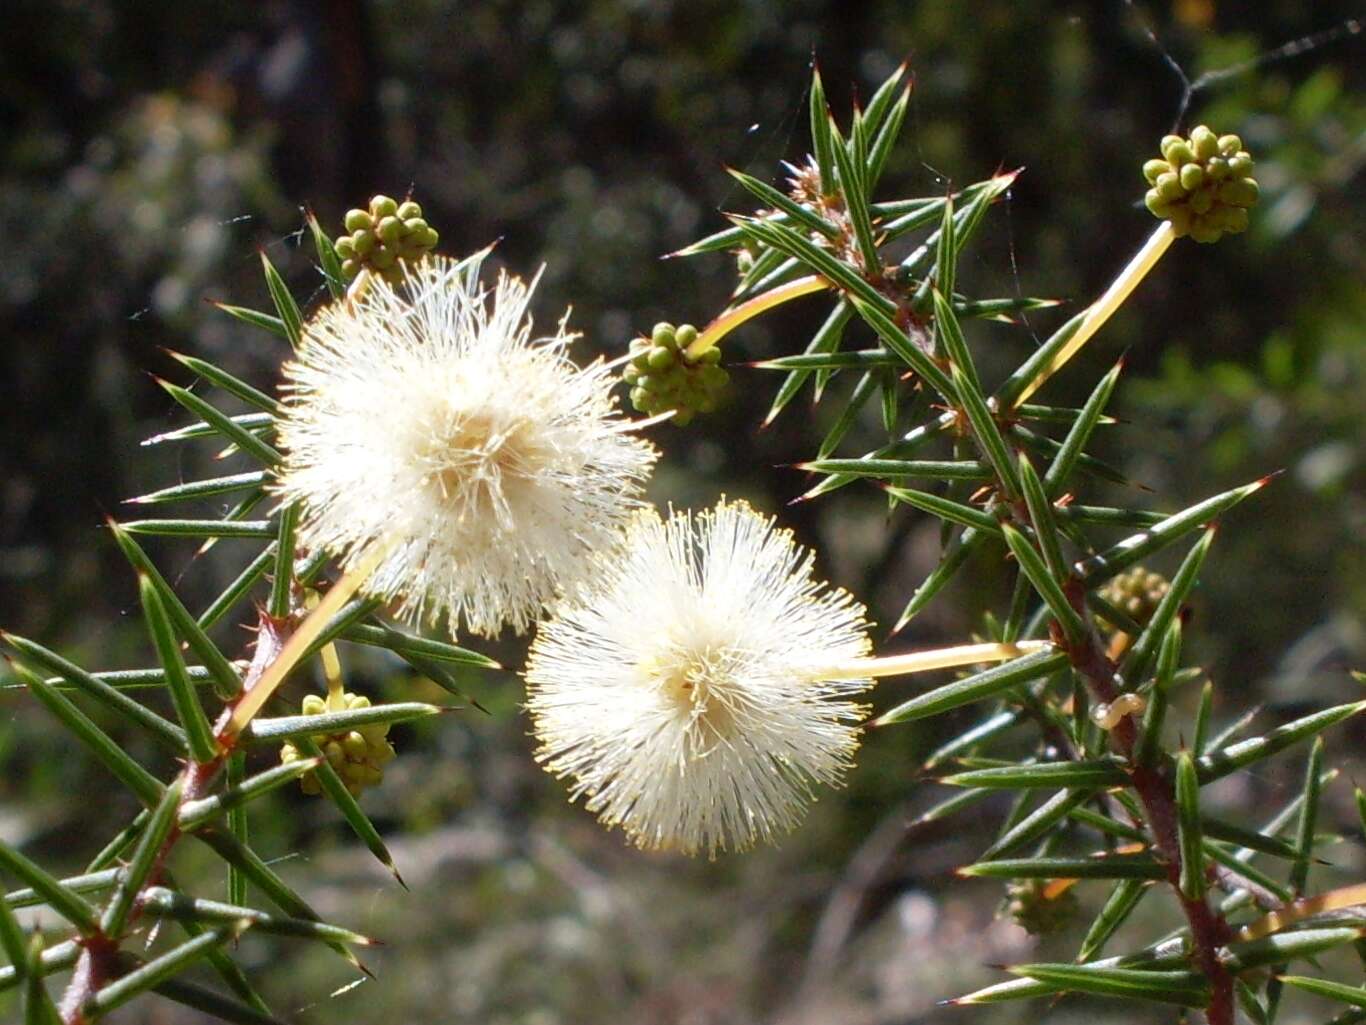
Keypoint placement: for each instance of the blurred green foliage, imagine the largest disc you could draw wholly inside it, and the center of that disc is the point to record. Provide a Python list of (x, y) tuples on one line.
[(148, 148)]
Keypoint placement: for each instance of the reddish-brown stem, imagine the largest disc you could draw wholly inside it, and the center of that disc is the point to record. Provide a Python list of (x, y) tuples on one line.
[(1156, 793), (99, 961)]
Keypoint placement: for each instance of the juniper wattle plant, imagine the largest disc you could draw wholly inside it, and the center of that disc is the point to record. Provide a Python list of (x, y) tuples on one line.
[(430, 460)]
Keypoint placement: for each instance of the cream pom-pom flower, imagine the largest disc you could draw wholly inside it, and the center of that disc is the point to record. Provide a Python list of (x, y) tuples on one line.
[(684, 689), (426, 418)]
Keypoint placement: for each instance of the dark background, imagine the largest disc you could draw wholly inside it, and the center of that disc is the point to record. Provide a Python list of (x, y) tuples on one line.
[(149, 149)]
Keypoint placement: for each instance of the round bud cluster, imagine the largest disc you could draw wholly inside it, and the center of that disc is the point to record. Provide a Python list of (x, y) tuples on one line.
[(379, 238), (663, 376), (1203, 184), (1039, 912), (358, 756), (1137, 592)]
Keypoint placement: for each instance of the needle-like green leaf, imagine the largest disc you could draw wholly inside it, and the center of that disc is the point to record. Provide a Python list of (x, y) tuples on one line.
[(166, 903), (328, 261), (1032, 565), (977, 687), (194, 814), (233, 385), (51, 891), (165, 733), (1100, 772), (1105, 866), (1220, 763), (132, 775), (1354, 995), (1188, 825), (1145, 646), (226, 680), (204, 488), (1138, 547), (947, 509), (246, 440), (1119, 905), (285, 305), (198, 732), (139, 869), (1036, 823), (779, 200), (291, 727), (1060, 469), (256, 318), (1185, 988), (158, 970)]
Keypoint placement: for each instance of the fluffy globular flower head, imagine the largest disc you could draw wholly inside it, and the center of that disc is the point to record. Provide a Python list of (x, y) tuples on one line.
[(681, 688), (425, 417)]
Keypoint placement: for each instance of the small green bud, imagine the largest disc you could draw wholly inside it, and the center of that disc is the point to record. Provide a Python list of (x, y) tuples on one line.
[(1153, 168), (685, 335), (1235, 219), (714, 377), (354, 745), (430, 237), (389, 229), (639, 396), (683, 417), (660, 358), (711, 357), (1180, 154), (358, 220), (383, 259), (346, 247), (363, 243), (1192, 177), (1169, 186), (1203, 231), (407, 210), (631, 375), (1199, 182), (382, 206), (332, 750), (663, 334), (350, 268), (312, 704), (1204, 142)]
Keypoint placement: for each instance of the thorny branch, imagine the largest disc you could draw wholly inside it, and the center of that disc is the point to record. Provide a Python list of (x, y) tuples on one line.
[(100, 960)]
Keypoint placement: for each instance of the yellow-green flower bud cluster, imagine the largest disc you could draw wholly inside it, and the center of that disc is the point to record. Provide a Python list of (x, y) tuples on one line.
[(358, 756), (663, 376), (1030, 903), (1137, 592), (381, 238), (1203, 184)]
